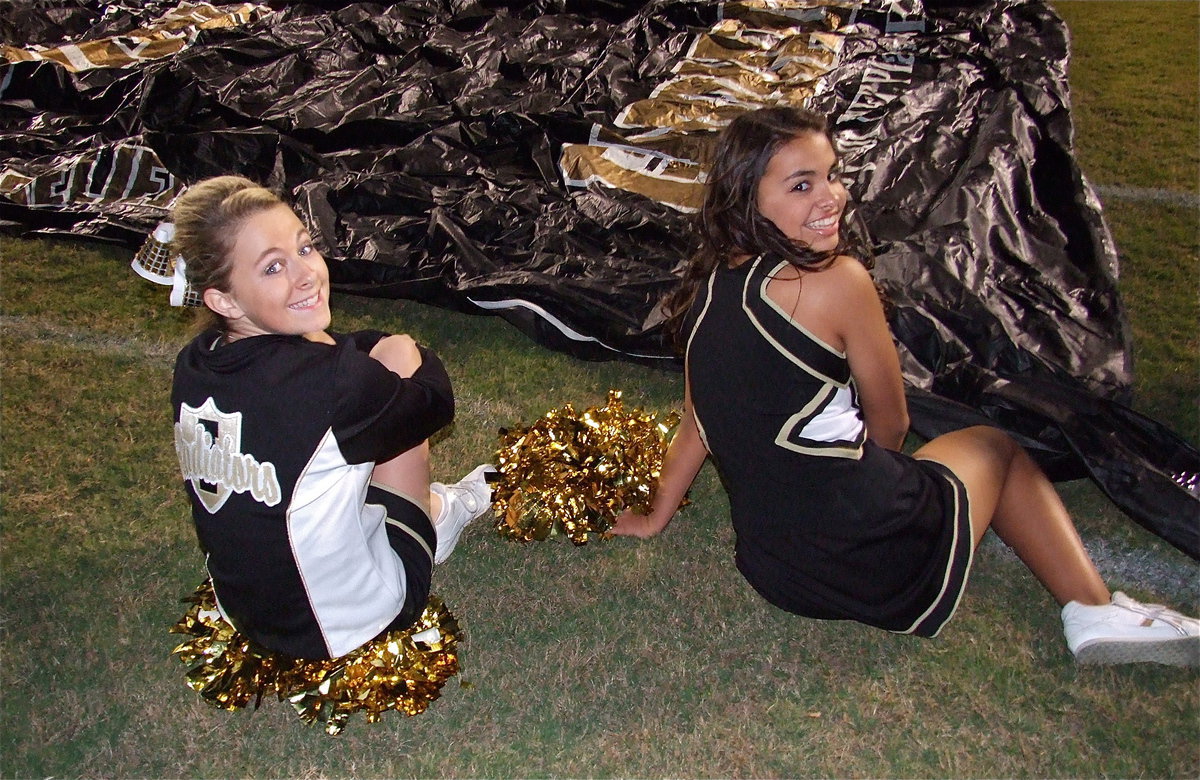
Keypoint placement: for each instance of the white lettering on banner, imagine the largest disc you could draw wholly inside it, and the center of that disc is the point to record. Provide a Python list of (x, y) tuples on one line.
[(882, 82)]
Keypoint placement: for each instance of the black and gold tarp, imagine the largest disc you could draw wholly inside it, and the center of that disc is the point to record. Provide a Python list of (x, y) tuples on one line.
[(538, 161)]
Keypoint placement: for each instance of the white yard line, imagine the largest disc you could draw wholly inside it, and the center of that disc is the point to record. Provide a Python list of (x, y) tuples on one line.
[(1147, 195), (39, 331)]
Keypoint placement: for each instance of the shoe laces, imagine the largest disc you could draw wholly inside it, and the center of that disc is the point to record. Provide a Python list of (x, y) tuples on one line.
[(1155, 612), (466, 495)]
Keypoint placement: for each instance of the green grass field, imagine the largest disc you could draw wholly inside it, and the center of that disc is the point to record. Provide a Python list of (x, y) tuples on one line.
[(622, 658)]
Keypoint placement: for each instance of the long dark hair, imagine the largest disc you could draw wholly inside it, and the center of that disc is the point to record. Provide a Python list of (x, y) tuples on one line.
[(729, 223)]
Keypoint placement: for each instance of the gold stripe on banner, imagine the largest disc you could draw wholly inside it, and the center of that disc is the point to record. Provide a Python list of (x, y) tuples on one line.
[(760, 53), (11, 181), (171, 33)]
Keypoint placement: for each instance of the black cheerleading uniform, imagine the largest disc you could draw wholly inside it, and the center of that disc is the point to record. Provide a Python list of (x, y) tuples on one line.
[(829, 525), (277, 437)]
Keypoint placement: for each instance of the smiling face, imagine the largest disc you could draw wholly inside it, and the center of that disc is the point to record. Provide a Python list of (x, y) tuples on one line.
[(801, 192), (278, 281)]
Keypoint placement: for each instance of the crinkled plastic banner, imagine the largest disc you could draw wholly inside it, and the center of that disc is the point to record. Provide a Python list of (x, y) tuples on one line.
[(540, 161)]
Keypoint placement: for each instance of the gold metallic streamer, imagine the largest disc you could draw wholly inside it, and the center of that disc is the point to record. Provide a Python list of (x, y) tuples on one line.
[(402, 670), (572, 474)]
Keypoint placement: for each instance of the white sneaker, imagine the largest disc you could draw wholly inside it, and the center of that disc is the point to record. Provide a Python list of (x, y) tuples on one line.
[(462, 502), (1127, 631)]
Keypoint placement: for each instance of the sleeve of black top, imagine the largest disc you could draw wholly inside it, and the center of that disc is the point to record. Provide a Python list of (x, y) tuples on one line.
[(378, 414), (365, 340)]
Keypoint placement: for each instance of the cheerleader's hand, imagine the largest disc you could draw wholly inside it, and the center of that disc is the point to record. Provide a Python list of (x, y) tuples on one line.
[(630, 524), (399, 354)]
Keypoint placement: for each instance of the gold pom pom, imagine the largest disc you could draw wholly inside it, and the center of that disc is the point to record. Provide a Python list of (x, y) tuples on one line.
[(573, 474), (402, 670)]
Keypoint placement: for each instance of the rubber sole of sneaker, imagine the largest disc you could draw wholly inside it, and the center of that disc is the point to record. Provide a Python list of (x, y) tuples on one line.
[(1184, 651)]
